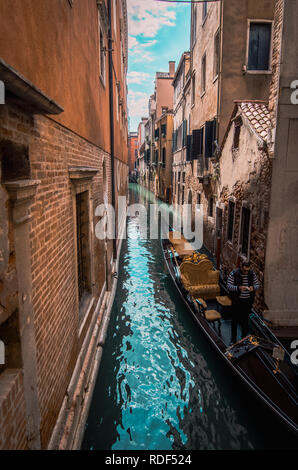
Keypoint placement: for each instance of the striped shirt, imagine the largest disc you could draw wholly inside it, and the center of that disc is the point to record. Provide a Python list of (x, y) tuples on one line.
[(245, 294)]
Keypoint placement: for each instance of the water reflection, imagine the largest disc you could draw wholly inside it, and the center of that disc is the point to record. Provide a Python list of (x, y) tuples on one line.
[(160, 385)]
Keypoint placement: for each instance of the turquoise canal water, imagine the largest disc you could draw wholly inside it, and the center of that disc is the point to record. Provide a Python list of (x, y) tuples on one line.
[(160, 385)]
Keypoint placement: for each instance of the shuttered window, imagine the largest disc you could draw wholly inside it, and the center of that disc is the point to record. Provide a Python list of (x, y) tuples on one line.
[(197, 143), (210, 137), (259, 46), (184, 132), (210, 207), (174, 146), (163, 157), (188, 148)]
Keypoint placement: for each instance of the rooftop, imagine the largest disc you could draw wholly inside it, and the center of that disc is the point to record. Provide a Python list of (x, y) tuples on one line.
[(257, 114)]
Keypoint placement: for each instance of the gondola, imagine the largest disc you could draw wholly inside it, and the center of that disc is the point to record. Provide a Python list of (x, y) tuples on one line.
[(259, 360)]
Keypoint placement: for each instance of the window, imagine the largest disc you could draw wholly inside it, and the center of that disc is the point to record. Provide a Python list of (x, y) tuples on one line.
[(203, 75), (197, 143), (184, 132), (188, 148), (231, 220), (102, 58), (259, 46), (193, 89), (83, 253), (245, 230), (216, 55), (163, 157), (198, 199), (204, 11), (211, 207), (194, 24), (179, 137), (210, 137), (237, 128), (236, 137), (163, 130)]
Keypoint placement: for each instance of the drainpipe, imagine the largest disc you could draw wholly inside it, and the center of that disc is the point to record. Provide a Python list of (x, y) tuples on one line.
[(111, 104), (218, 238), (219, 69)]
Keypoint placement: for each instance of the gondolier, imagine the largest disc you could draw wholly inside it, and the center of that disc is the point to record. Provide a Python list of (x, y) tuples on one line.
[(242, 285), (252, 359)]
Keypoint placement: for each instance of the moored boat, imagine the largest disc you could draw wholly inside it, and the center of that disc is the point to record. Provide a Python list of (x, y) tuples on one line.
[(259, 359)]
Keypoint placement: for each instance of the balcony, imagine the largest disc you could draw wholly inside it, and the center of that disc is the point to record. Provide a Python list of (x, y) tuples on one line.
[(204, 178)]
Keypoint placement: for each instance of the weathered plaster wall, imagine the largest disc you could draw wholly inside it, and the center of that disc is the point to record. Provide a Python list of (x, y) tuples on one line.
[(246, 176)]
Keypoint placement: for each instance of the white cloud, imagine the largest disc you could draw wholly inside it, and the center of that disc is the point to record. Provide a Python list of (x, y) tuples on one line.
[(137, 77), (137, 103), (147, 17), (139, 50), (132, 42)]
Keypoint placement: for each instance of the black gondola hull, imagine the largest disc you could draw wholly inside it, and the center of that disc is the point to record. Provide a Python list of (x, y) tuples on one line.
[(255, 368)]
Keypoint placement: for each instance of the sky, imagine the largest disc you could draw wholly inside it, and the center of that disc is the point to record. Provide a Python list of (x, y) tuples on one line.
[(157, 32)]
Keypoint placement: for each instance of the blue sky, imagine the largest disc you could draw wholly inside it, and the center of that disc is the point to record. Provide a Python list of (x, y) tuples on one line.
[(157, 32)]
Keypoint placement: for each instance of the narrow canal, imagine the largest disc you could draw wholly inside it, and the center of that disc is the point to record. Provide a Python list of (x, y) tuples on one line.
[(160, 385)]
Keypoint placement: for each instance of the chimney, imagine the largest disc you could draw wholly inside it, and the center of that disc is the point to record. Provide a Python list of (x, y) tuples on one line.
[(172, 68)]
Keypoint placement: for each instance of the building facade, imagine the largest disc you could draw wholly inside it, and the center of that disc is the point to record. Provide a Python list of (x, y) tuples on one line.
[(133, 151), (181, 134), (223, 71), (246, 168), (160, 102), (142, 161), (61, 163), (163, 155), (280, 278), (242, 187)]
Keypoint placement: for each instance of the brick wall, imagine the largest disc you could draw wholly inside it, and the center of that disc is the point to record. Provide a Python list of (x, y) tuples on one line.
[(52, 149), (12, 410), (255, 191)]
